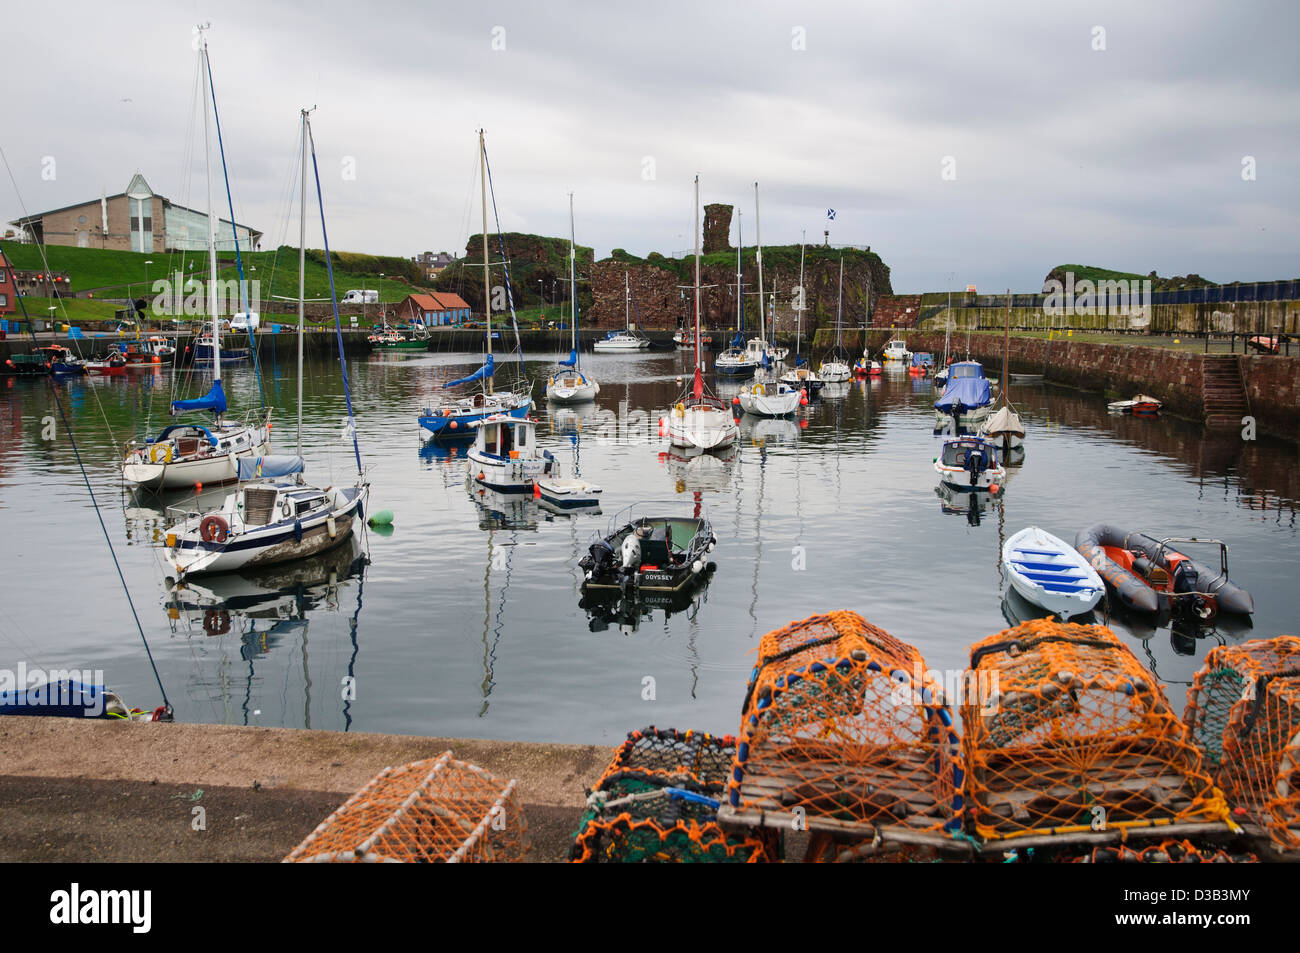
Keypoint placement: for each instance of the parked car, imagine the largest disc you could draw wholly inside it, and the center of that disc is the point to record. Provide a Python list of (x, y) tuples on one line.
[(245, 321), (358, 296)]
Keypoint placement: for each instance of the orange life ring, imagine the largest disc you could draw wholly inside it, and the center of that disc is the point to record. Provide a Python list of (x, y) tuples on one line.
[(216, 622), (214, 529)]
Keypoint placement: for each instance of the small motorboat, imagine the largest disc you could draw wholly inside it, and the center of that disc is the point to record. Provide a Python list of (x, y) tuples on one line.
[(60, 361), (1140, 406), (1148, 575), (967, 397), (970, 463), (770, 399), (111, 365), (647, 550), (627, 340), (1051, 574), (866, 367), (896, 350), (555, 493), (505, 457), (922, 364), (804, 379)]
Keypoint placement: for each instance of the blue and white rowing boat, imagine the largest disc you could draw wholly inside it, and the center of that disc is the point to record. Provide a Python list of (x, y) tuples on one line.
[(1051, 574)]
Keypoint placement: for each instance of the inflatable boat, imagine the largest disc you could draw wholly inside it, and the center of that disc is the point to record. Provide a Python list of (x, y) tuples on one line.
[(1148, 575)]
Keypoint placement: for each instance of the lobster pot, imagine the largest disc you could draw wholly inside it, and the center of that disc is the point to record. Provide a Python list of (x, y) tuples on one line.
[(434, 811), (1166, 852), (1075, 742), (657, 802), (844, 734), (1244, 710)]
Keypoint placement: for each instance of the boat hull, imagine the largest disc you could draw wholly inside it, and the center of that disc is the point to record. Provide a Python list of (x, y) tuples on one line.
[(701, 429), (179, 474), (763, 405), (440, 425)]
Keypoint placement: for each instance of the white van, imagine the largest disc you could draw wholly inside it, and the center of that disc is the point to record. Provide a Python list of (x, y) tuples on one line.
[(357, 296), (245, 321)]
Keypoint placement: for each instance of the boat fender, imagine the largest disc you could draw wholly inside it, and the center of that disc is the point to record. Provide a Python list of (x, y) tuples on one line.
[(332, 526), (214, 529), (697, 566), (680, 409), (297, 531)]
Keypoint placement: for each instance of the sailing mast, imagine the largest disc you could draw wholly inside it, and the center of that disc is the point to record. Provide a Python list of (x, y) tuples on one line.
[(947, 330), (799, 327), (740, 292), (302, 261), (1006, 342), (762, 304), (699, 381), (212, 225), (627, 301), (487, 279), (839, 311), (573, 290)]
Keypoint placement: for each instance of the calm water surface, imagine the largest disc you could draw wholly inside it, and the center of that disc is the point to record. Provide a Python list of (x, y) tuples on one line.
[(466, 620)]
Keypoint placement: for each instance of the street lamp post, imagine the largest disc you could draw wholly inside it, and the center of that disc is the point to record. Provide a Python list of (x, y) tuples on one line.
[(147, 263), (383, 318)]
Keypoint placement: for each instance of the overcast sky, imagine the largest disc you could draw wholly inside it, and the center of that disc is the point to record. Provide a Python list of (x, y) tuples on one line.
[(1129, 157)]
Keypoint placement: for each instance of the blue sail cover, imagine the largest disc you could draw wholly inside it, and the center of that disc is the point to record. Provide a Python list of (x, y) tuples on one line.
[(970, 392), (573, 359), (257, 468), (738, 340), (484, 372), (214, 400)]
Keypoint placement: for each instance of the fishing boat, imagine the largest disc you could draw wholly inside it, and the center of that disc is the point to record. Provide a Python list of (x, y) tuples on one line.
[(1149, 575), (896, 350), (835, 368), (112, 364), (567, 384), (390, 339), (140, 357), (865, 366), (1050, 573), (450, 418), (966, 398), (184, 454), (699, 420), (970, 463), (274, 517), (770, 399), (626, 339), (1140, 406), (685, 339), (738, 360), (646, 550), (59, 361), (505, 457)]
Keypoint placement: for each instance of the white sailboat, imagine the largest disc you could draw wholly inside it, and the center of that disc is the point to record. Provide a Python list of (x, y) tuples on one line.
[(627, 339), (767, 353), (1004, 426), (450, 417), (568, 384), (185, 454), (699, 420), (835, 370), (737, 361), (275, 517)]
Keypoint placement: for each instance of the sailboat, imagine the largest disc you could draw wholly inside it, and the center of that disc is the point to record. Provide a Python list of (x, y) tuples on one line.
[(699, 420), (737, 361), (941, 376), (627, 339), (801, 375), (767, 354), (1004, 426), (865, 366), (275, 519), (567, 384), (450, 417), (836, 369), (185, 454)]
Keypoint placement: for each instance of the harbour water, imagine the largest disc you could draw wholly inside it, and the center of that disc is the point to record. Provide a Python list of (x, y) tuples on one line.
[(467, 619)]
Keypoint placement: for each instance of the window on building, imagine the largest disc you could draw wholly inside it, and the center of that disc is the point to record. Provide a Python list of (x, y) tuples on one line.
[(4, 301), (81, 220)]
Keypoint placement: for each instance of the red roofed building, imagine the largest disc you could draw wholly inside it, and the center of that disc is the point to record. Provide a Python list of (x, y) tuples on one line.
[(8, 288), (434, 308)]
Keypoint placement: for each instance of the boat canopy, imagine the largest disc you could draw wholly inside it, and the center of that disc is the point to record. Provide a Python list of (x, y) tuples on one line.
[(214, 400), (965, 369), (922, 359), (279, 465), (573, 359), (964, 389), (1005, 420), (484, 372), (167, 432)]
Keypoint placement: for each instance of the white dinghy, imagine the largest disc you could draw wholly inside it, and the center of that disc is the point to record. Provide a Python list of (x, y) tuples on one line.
[(1051, 574)]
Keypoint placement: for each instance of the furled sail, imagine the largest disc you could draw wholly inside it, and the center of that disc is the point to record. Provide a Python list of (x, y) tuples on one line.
[(214, 400), (484, 372)]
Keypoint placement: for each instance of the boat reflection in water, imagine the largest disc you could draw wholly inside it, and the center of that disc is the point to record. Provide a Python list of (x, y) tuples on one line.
[(607, 608), (147, 517), (972, 504), (696, 472), (271, 609), (1016, 609), (503, 510), (769, 431)]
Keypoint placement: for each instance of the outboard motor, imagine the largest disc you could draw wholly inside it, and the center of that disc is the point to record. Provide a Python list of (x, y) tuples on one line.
[(977, 462), (599, 559), (550, 461)]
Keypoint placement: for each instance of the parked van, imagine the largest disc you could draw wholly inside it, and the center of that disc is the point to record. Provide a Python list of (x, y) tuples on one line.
[(245, 321), (357, 296)]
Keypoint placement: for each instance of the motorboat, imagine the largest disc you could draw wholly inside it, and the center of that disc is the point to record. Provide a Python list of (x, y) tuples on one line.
[(970, 463), (966, 398), (1141, 405), (896, 350), (505, 456), (770, 399), (646, 548)]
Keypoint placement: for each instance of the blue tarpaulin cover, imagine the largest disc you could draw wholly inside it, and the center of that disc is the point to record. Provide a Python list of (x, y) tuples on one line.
[(65, 699), (487, 370), (967, 385), (255, 468), (214, 400), (573, 359)]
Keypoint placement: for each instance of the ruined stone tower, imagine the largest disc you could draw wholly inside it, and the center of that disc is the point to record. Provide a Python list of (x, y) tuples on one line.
[(717, 228)]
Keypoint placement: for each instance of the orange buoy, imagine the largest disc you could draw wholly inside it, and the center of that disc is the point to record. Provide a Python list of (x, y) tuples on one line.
[(452, 425), (994, 489), (537, 491)]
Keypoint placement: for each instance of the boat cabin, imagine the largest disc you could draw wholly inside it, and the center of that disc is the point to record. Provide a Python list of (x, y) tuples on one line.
[(507, 438), (957, 451), (769, 389), (965, 369)]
